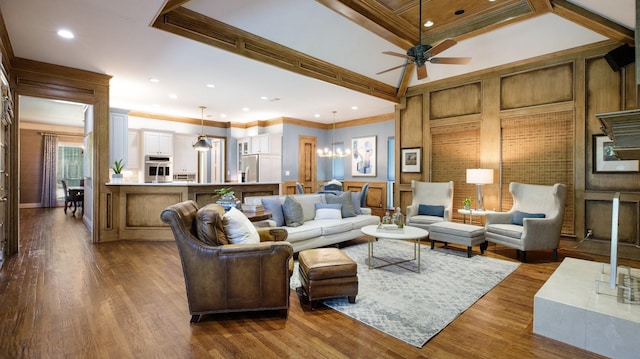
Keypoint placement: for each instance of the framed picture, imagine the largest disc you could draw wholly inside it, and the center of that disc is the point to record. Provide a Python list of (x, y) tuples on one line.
[(604, 160), (363, 156), (411, 159)]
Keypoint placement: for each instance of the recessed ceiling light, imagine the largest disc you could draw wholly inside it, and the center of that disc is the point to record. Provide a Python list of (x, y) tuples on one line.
[(317, 115), (429, 23), (153, 79), (354, 107), (245, 109), (211, 86), (223, 115), (459, 12), (67, 34), (173, 96), (264, 98)]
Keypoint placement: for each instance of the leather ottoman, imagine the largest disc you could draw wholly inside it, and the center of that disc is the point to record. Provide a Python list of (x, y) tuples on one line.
[(327, 273)]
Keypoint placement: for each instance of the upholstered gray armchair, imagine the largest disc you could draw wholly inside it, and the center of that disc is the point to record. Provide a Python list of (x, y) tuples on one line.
[(222, 277), (533, 223), (432, 202)]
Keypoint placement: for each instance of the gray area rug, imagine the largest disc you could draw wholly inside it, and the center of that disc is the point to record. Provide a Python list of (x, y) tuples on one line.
[(414, 307)]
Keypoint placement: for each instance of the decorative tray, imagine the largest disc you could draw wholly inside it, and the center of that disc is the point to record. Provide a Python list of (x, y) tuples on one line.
[(390, 228)]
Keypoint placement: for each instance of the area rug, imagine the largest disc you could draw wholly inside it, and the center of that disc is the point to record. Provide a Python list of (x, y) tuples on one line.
[(414, 307)]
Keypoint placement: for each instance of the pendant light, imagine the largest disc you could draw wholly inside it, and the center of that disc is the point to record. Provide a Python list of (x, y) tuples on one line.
[(203, 143), (333, 152)]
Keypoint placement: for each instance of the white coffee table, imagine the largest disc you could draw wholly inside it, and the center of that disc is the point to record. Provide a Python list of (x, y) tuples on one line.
[(406, 233)]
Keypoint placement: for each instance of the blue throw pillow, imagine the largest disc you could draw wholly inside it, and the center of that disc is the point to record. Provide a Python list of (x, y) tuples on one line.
[(346, 201), (273, 204), (427, 210), (355, 196), (518, 217)]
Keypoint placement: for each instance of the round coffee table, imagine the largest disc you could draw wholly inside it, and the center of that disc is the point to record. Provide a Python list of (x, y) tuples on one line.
[(406, 233)]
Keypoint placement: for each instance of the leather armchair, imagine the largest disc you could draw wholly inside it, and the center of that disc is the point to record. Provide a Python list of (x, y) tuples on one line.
[(533, 233), (432, 194), (229, 277)]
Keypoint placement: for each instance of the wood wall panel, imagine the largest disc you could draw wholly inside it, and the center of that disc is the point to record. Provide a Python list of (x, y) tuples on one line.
[(598, 219), (537, 87), (456, 101), (412, 134), (605, 94)]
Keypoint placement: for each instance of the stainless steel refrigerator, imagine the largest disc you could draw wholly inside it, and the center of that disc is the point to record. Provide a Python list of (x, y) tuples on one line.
[(261, 167)]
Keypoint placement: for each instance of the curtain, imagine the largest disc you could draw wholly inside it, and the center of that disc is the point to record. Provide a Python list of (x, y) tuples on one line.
[(49, 171)]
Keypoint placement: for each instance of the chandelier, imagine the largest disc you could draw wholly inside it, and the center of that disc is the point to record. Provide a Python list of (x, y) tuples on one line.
[(333, 152), (202, 144)]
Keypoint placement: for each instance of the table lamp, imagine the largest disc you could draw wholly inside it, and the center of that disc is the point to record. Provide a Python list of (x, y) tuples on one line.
[(480, 177)]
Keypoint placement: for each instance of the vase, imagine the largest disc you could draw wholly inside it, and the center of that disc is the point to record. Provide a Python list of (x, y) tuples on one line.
[(116, 178), (467, 207), (227, 202)]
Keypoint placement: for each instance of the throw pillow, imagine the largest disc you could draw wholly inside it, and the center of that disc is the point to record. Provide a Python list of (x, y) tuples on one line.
[(356, 196), (273, 204), (292, 210), (518, 217), (238, 228), (428, 210), (328, 211), (345, 200), (209, 225)]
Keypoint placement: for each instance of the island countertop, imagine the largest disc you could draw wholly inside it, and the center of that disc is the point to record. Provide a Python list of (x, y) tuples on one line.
[(191, 184), (133, 209)]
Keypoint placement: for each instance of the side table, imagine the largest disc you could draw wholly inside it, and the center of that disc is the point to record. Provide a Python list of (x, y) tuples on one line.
[(471, 213)]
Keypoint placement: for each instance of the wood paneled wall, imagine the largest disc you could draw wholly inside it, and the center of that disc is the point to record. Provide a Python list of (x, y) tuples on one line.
[(459, 123)]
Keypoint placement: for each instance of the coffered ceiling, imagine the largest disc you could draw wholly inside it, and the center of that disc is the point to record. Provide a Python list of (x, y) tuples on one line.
[(293, 58)]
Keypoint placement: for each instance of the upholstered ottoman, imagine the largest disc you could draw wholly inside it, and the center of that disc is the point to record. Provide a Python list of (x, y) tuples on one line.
[(327, 273), (458, 233)]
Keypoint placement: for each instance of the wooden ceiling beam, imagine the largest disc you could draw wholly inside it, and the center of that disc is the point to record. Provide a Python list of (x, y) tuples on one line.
[(593, 21), (198, 27), (373, 16)]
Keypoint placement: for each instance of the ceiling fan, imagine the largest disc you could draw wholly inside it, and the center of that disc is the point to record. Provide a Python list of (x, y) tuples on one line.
[(421, 54)]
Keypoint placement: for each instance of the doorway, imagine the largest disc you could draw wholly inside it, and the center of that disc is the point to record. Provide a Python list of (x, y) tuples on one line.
[(212, 163)]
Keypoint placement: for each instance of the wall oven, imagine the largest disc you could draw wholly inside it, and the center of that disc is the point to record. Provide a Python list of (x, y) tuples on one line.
[(158, 169)]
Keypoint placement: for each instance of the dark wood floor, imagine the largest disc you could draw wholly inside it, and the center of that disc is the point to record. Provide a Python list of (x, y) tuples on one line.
[(64, 297)]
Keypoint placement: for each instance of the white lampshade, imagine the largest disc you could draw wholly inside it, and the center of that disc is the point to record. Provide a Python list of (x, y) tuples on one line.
[(480, 175)]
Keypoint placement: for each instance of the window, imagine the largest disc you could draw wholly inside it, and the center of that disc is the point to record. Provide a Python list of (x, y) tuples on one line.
[(69, 166)]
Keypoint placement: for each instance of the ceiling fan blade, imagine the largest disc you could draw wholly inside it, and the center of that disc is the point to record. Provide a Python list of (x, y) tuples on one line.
[(443, 45), (404, 56), (421, 71), (393, 68), (450, 60)]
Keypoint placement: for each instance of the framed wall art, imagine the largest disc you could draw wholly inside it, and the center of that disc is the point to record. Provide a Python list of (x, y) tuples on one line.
[(411, 160), (363, 156), (605, 161)]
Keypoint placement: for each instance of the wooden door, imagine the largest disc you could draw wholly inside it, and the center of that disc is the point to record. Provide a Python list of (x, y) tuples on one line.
[(307, 162)]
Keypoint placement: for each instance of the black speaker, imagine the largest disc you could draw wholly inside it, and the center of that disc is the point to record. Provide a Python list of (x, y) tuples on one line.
[(620, 57)]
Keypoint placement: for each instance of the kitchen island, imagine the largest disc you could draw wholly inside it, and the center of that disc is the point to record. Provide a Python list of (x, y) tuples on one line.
[(133, 209)]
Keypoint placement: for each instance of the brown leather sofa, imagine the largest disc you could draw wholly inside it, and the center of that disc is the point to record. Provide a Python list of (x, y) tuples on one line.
[(220, 277)]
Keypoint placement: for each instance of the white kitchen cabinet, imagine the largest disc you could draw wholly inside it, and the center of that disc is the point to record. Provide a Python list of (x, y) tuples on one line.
[(259, 144), (118, 136), (158, 143), (133, 150), (185, 159)]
